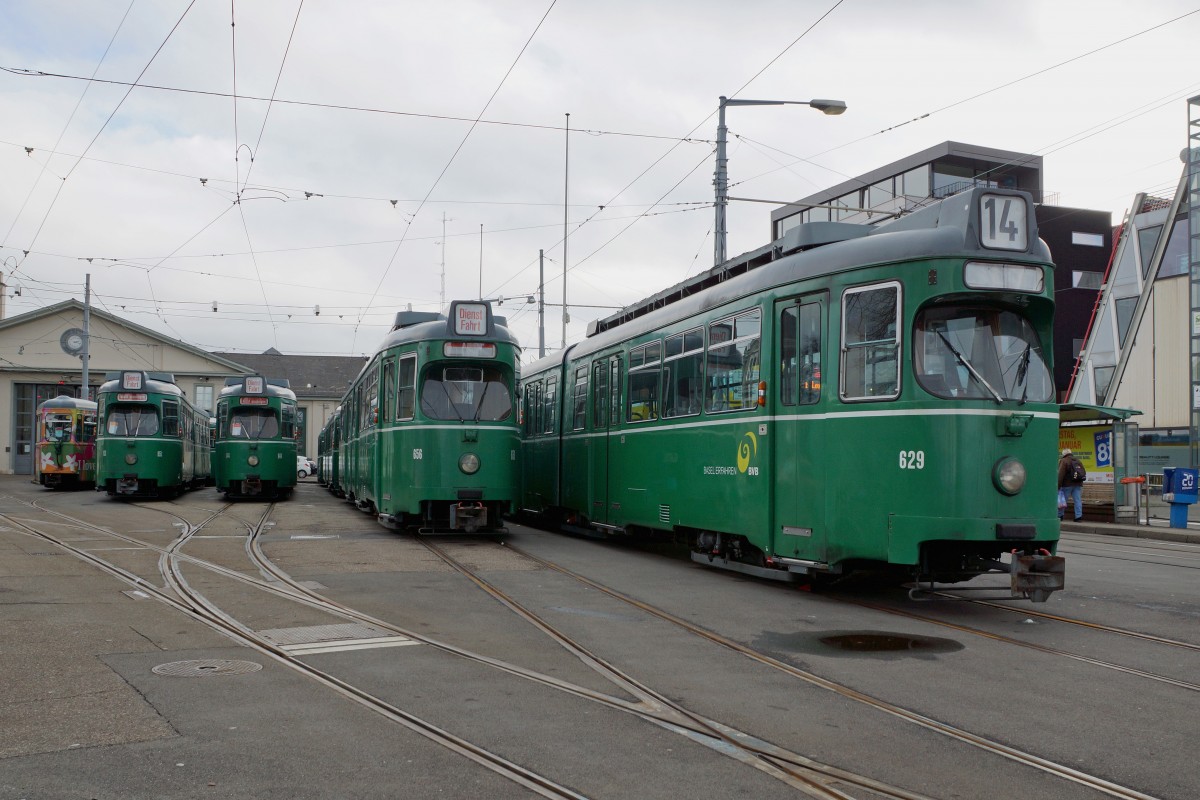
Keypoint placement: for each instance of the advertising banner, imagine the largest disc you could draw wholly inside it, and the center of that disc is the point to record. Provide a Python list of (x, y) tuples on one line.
[(1092, 445)]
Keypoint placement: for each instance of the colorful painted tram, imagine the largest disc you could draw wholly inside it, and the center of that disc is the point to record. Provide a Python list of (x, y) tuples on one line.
[(66, 443)]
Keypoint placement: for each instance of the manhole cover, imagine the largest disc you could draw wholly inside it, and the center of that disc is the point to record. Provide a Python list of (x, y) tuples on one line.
[(205, 668)]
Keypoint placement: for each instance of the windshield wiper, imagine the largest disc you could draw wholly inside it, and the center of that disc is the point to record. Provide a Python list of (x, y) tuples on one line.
[(482, 395), (427, 407), (971, 369), (1023, 374)]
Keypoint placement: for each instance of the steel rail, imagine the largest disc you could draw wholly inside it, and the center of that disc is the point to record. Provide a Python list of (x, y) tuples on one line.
[(774, 761), (954, 732), (999, 637), (501, 766)]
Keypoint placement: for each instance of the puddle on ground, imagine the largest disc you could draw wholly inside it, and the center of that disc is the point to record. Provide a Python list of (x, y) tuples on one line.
[(873, 644)]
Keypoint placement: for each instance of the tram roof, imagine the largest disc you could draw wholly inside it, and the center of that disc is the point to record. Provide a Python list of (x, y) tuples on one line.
[(423, 326), (153, 382), (272, 387), (948, 228), (65, 401)]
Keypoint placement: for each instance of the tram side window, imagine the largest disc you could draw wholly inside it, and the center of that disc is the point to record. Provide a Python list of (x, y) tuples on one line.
[(222, 419), (870, 342), (387, 385), (89, 428), (551, 405), (407, 395), (170, 417), (683, 374), (645, 368), (599, 395), (800, 359), (371, 400), (579, 406), (734, 362), (289, 420)]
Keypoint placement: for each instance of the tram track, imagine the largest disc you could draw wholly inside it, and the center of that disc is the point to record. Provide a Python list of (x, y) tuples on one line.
[(958, 734), (197, 607), (811, 777), (702, 731), (798, 771)]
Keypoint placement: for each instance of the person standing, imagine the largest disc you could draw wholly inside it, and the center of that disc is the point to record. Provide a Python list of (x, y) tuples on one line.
[(1071, 475)]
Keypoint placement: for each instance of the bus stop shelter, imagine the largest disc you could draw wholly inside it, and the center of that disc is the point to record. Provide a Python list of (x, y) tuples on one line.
[(1106, 442)]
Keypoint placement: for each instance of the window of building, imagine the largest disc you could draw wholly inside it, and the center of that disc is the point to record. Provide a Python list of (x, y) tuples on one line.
[(1147, 241), (1087, 239), (1086, 280), (880, 193), (1175, 258), (1103, 377), (914, 183), (870, 342), (203, 396), (1124, 307)]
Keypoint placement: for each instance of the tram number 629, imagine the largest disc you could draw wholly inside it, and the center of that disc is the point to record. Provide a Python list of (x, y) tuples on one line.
[(912, 459)]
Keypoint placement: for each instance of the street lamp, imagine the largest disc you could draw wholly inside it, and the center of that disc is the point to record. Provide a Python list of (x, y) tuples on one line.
[(831, 107)]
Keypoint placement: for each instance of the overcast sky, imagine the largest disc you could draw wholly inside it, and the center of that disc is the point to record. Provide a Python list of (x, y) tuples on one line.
[(374, 117)]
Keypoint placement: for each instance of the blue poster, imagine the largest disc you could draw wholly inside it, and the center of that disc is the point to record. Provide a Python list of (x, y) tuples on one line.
[(1103, 450)]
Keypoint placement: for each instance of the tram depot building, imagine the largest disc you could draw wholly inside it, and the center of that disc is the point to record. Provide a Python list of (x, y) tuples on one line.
[(39, 360)]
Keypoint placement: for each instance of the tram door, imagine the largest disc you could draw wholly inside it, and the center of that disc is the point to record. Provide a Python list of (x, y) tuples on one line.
[(606, 416), (800, 433)]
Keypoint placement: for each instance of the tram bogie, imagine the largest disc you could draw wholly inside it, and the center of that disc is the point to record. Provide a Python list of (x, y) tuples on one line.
[(152, 442), (65, 454), (255, 450), (849, 397)]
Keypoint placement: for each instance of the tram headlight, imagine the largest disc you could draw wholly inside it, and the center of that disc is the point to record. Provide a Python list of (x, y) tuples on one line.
[(252, 461), (468, 463), (131, 458), (1009, 475)]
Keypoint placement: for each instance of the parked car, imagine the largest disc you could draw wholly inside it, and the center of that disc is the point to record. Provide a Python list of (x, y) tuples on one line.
[(304, 467)]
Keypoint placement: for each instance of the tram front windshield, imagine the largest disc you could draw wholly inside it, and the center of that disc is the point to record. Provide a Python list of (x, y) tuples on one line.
[(467, 394), (58, 428), (132, 421), (980, 353), (253, 423)]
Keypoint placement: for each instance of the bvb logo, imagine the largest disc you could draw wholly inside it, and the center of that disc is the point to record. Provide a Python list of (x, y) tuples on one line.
[(747, 449)]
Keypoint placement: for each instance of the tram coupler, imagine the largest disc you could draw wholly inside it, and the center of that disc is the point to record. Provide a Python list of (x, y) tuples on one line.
[(127, 485), (1036, 576), (469, 515), (252, 485)]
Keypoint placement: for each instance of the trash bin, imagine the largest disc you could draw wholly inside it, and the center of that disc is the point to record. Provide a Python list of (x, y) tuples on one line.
[(1180, 490)]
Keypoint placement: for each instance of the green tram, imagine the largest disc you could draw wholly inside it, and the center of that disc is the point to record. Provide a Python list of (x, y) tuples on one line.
[(255, 450), (428, 433), (152, 442), (65, 454), (848, 397), (328, 442)]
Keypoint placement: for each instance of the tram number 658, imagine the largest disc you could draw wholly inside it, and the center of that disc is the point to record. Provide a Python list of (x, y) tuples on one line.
[(912, 459)]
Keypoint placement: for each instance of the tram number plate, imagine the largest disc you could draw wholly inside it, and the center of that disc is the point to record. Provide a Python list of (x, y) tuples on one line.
[(1002, 222), (418, 454), (912, 459)]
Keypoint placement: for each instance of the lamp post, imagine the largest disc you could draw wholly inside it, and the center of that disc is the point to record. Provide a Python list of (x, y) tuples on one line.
[(721, 180)]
